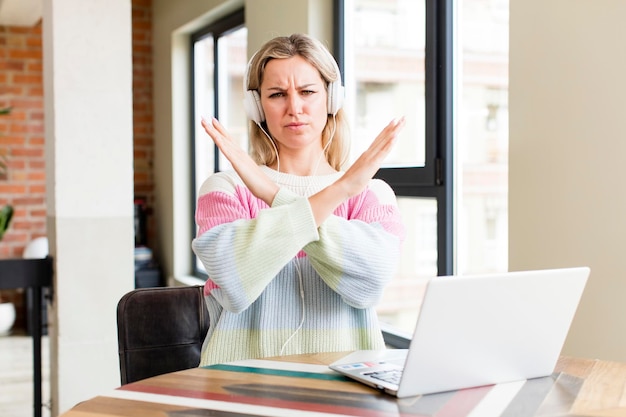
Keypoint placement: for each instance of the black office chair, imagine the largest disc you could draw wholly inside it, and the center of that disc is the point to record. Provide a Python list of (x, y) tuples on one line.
[(160, 330)]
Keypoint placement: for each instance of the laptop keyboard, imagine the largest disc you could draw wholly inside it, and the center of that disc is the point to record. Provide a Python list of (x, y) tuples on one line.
[(392, 375)]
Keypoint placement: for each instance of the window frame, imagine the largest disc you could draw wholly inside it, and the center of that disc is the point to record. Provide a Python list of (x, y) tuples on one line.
[(435, 178), (221, 27)]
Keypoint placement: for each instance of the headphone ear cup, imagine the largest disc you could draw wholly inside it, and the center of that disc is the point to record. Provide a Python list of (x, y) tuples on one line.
[(335, 97), (252, 106)]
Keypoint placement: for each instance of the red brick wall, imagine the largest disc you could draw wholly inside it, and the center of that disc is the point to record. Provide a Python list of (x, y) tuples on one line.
[(22, 143), (142, 111), (21, 136), (22, 133)]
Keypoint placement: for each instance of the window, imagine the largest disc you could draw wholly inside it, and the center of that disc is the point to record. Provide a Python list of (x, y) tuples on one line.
[(218, 61), (396, 57), (442, 64), (482, 135)]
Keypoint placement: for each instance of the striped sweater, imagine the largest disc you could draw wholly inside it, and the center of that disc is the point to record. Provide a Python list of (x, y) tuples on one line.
[(280, 285)]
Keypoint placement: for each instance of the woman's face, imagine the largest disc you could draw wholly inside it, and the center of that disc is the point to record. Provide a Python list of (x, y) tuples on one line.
[(294, 97)]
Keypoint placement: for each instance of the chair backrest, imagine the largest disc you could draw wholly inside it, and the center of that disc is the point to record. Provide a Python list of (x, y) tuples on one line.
[(160, 330)]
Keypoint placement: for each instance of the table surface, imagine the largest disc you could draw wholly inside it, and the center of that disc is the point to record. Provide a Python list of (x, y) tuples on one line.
[(302, 385)]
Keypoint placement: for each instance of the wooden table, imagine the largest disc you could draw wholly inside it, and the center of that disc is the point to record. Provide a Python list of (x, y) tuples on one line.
[(303, 386)]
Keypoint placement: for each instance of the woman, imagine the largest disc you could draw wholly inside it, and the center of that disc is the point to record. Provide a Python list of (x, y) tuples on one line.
[(297, 252)]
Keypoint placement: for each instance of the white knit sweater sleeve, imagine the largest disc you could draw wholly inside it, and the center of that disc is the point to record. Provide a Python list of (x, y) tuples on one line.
[(358, 250), (242, 243)]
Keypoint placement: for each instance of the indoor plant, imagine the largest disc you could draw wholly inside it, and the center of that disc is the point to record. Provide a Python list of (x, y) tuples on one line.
[(6, 212), (7, 309)]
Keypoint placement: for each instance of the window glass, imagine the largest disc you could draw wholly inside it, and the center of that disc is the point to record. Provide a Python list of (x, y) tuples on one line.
[(481, 139), (386, 75), (204, 103), (384, 60), (418, 262), (231, 53), (385, 78), (232, 57), (217, 92)]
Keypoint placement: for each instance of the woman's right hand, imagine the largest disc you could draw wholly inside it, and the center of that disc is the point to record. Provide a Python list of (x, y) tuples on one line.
[(255, 179)]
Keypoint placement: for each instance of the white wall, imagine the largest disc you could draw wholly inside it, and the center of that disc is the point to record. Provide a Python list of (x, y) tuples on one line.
[(172, 24), (89, 190), (266, 19), (567, 168)]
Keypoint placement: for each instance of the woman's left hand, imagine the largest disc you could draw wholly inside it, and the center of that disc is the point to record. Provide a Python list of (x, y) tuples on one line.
[(365, 167), (358, 176)]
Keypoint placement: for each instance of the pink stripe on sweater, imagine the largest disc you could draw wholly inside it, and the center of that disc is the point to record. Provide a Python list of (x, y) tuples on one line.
[(209, 286), (217, 208)]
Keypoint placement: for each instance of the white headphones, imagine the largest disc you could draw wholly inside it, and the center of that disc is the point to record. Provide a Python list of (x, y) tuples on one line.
[(252, 99)]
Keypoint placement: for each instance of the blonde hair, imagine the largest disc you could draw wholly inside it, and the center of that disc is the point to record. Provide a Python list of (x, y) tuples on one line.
[(316, 54)]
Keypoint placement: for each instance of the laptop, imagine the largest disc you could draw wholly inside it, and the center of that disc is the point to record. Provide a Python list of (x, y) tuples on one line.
[(477, 330)]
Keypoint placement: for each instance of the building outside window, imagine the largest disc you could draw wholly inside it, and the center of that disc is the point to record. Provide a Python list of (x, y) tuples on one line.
[(386, 76)]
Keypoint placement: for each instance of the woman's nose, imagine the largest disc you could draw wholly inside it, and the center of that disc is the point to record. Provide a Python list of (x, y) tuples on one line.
[(294, 102)]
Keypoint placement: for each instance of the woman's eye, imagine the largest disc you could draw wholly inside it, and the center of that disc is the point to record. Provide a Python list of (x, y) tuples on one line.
[(276, 95), (308, 92)]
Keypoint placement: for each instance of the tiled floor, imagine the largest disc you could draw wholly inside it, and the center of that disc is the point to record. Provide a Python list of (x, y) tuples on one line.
[(16, 376)]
